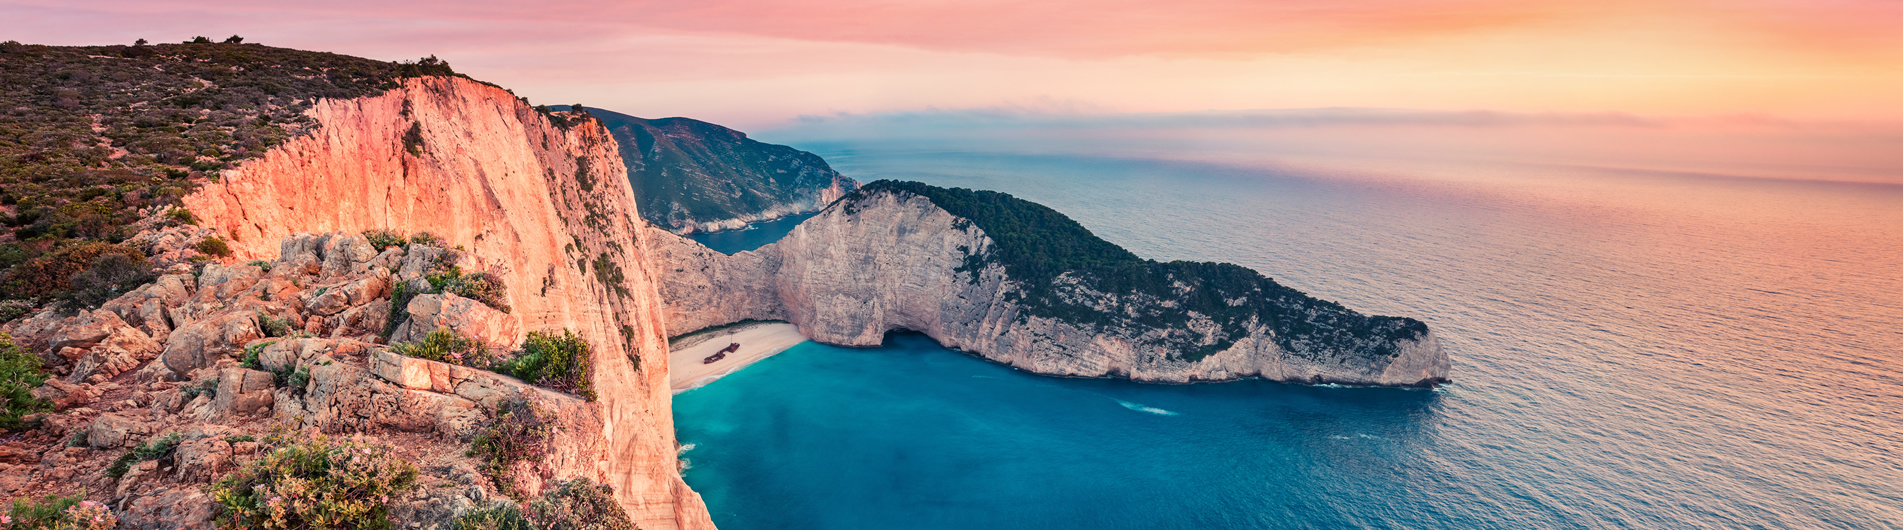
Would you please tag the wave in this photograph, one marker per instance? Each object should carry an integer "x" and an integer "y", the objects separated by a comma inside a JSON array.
[{"x": 1140, "y": 408}]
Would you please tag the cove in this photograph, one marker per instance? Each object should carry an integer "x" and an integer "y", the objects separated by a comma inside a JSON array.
[{"x": 914, "y": 435}]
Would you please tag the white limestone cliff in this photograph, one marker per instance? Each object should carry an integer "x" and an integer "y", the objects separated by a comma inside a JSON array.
[{"x": 850, "y": 274}]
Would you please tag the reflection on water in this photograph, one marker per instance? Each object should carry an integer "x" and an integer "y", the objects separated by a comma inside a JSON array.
[{"x": 1631, "y": 349}]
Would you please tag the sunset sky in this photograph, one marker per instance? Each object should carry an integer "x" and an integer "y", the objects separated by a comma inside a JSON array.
[{"x": 762, "y": 63}]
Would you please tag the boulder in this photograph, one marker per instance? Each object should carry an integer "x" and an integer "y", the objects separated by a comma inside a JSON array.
[
  {"x": 63, "y": 395},
  {"x": 197, "y": 345},
  {"x": 84, "y": 330},
  {"x": 243, "y": 391},
  {"x": 346, "y": 255},
  {"x": 111, "y": 431},
  {"x": 367, "y": 319},
  {"x": 224, "y": 282},
  {"x": 431, "y": 312},
  {"x": 300, "y": 254},
  {"x": 123, "y": 349},
  {"x": 168, "y": 509},
  {"x": 334, "y": 298},
  {"x": 409, "y": 372},
  {"x": 144, "y": 307},
  {"x": 421, "y": 260},
  {"x": 203, "y": 459}
]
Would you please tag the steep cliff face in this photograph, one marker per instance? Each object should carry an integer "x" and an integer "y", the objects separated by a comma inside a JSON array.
[
  {"x": 543, "y": 203},
  {"x": 693, "y": 176},
  {"x": 889, "y": 260}
]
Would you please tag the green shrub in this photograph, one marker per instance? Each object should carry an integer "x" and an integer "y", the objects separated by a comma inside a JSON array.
[
  {"x": 52, "y": 272},
  {"x": 427, "y": 239},
  {"x": 314, "y": 483},
  {"x": 240, "y": 439},
  {"x": 580, "y": 504},
  {"x": 413, "y": 139},
  {"x": 444, "y": 345},
  {"x": 109, "y": 276},
  {"x": 251, "y": 353},
  {"x": 213, "y": 246},
  {"x": 299, "y": 378},
  {"x": 562, "y": 362},
  {"x": 574, "y": 505},
  {"x": 20, "y": 373},
  {"x": 150, "y": 450},
  {"x": 498, "y": 516},
  {"x": 382, "y": 239},
  {"x": 181, "y": 216},
  {"x": 60, "y": 513},
  {"x": 266, "y": 266},
  {"x": 208, "y": 386},
  {"x": 273, "y": 327},
  {"x": 12, "y": 309},
  {"x": 519, "y": 430},
  {"x": 481, "y": 287}
]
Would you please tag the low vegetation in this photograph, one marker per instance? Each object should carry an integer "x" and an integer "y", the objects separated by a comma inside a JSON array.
[
  {"x": 154, "y": 449},
  {"x": 447, "y": 346},
  {"x": 313, "y": 483},
  {"x": 580, "y": 504},
  {"x": 562, "y": 362},
  {"x": 92, "y": 138},
  {"x": 1057, "y": 262},
  {"x": 20, "y": 373},
  {"x": 54, "y": 512},
  {"x": 519, "y": 430}
]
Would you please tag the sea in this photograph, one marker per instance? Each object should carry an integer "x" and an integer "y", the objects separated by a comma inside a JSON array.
[{"x": 1632, "y": 348}]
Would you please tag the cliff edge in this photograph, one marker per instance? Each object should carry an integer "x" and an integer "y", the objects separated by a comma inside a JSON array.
[
  {"x": 1042, "y": 294},
  {"x": 540, "y": 197}
]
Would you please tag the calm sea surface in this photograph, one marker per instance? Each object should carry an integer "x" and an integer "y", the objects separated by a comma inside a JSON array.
[{"x": 1631, "y": 350}]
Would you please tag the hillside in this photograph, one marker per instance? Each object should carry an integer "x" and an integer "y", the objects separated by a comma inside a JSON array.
[
  {"x": 1021, "y": 284},
  {"x": 293, "y": 243},
  {"x": 694, "y": 176},
  {"x": 94, "y": 138}
]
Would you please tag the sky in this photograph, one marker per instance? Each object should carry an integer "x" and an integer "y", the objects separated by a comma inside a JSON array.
[{"x": 756, "y": 64}]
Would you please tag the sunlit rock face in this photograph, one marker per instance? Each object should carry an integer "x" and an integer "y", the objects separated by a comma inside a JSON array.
[{"x": 540, "y": 200}]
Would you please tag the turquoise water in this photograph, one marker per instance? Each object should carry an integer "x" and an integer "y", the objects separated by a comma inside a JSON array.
[
  {"x": 754, "y": 236},
  {"x": 1631, "y": 349}
]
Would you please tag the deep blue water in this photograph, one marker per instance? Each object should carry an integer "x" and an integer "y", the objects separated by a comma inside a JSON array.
[
  {"x": 754, "y": 236},
  {"x": 1631, "y": 350}
]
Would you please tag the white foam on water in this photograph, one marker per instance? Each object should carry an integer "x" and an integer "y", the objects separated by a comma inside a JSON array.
[{"x": 1140, "y": 408}]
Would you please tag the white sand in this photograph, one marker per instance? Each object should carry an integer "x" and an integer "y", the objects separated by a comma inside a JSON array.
[{"x": 757, "y": 341}]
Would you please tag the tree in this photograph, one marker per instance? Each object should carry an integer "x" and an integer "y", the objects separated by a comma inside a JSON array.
[
  {"x": 199, "y": 40},
  {"x": 140, "y": 42},
  {"x": 235, "y": 40}
]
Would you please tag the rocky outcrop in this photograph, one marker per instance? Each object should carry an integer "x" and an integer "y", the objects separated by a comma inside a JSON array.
[
  {"x": 889, "y": 260},
  {"x": 693, "y": 176},
  {"x": 540, "y": 201},
  {"x": 244, "y": 366}
]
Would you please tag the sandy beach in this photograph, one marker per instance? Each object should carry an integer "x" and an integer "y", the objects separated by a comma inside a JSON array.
[{"x": 686, "y": 371}]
